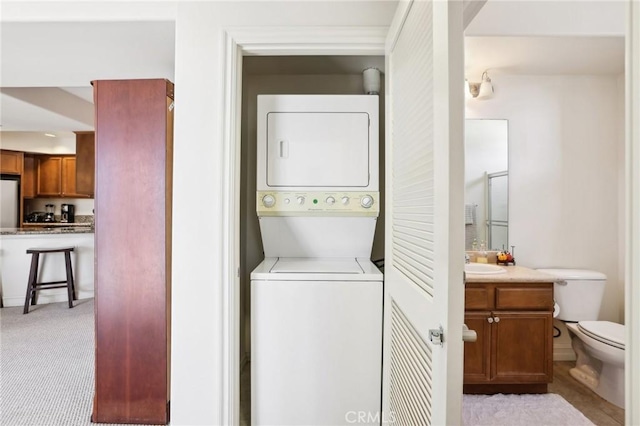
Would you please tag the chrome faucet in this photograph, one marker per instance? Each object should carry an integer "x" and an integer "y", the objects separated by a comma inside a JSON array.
[{"x": 467, "y": 259}]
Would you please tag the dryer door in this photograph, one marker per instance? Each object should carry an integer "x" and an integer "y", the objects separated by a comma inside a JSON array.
[{"x": 318, "y": 149}]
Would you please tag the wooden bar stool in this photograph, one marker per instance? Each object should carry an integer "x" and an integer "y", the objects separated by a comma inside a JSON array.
[{"x": 33, "y": 286}]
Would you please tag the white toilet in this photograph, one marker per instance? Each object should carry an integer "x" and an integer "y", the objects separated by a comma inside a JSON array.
[{"x": 599, "y": 345}]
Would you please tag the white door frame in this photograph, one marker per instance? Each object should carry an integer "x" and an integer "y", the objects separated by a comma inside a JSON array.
[
  {"x": 632, "y": 214},
  {"x": 254, "y": 41}
]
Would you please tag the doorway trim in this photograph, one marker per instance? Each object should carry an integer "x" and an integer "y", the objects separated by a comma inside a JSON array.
[
  {"x": 632, "y": 213},
  {"x": 262, "y": 41}
]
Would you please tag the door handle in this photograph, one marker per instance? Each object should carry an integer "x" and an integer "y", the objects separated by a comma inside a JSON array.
[
  {"x": 284, "y": 149},
  {"x": 468, "y": 335}
]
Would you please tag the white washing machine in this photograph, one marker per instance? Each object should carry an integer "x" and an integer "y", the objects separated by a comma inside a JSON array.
[
  {"x": 316, "y": 341},
  {"x": 316, "y": 299}
]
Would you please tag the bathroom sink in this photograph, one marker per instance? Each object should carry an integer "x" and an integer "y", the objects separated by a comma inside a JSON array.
[{"x": 483, "y": 269}]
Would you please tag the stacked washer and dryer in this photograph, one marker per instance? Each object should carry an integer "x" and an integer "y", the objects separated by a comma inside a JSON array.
[{"x": 316, "y": 299}]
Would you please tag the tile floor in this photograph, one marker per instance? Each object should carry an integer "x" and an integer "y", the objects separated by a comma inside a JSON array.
[{"x": 596, "y": 409}]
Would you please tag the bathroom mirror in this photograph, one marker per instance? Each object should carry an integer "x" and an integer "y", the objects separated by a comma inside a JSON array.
[{"x": 486, "y": 184}]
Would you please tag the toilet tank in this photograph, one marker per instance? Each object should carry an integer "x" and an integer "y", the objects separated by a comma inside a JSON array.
[{"x": 578, "y": 294}]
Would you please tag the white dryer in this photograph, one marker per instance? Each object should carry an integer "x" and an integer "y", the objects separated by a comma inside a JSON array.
[{"x": 316, "y": 299}]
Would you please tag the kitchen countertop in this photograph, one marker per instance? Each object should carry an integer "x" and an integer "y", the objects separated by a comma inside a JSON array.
[
  {"x": 514, "y": 274},
  {"x": 50, "y": 224},
  {"x": 59, "y": 228}
]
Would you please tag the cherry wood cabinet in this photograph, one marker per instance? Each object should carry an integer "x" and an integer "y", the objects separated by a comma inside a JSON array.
[
  {"x": 68, "y": 177},
  {"x": 514, "y": 348},
  {"x": 85, "y": 163},
  {"x": 11, "y": 162},
  {"x": 133, "y": 142},
  {"x": 56, "y": 176},
  {"x": 477, "y": 355},
  {"x": 29, "y": 176},
  {"x": 49, "y": 176}
]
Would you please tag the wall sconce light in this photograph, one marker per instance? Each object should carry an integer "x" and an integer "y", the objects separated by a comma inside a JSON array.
[{"x": 482, "y": 90}]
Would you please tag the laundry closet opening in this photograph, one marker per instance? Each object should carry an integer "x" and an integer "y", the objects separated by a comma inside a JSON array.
[{"x": 290, "y": 75}]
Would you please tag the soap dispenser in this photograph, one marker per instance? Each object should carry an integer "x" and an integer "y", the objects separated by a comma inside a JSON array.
[{"x": 482, "y": 256}]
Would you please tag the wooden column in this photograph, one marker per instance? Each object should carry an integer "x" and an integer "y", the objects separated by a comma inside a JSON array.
[{"x": 134, "y": 128}]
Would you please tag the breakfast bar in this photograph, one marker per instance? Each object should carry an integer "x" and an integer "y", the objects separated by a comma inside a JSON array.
[{"x": 15, "y": 262}]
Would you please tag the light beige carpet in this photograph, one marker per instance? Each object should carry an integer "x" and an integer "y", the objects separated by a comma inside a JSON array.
[
  {"x": 47, "y": 365},
  {"x": 520, "y": 410}
]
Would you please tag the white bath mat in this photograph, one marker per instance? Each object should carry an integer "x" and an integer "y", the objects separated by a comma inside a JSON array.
[{"x": 520, "y": 410}]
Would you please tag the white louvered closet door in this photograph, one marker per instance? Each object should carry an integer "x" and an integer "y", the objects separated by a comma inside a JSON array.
[{"x": 424, "y": 259}]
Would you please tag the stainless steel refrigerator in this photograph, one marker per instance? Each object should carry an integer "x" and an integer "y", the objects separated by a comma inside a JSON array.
[{"x": 9, "y": 201}]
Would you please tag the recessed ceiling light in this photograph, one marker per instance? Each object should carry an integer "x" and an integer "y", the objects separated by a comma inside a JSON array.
[{"x": 51, "y": 135}]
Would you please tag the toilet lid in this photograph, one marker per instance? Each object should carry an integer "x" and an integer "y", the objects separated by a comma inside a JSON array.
[{"x": 604, "y": 331}]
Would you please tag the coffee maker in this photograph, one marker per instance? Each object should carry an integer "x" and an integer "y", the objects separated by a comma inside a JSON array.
[
  {"x": 67, "y": 213},
  {"x": 49, "y": 215}
]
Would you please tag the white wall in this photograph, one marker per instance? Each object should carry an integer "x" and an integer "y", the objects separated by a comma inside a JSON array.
[
  {"x": 83, "y": 206},
  {"x": 253, "y": 85},
  {"x": 198, "y": 287},
  {"x": 37, "y": 142},
  {"x": 566, "y": 172}
]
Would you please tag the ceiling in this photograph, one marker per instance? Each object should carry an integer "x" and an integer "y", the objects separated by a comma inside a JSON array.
[
  {"x": 47, "y": 67},
  {"x": 572, "y": 55},
  {"x": 546, "y": 38},
  {"x": 46, "y": 109}
]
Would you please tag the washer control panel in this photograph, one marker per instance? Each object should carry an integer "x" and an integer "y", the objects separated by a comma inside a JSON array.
[{"x": 320, "y": 203}]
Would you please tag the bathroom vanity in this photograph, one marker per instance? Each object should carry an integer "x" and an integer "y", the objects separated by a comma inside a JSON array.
[{"x": 512, "y": 314}]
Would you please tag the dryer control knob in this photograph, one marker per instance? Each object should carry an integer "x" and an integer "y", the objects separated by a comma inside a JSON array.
[
  {"x": 300, "y": 200},
  {"x": 345, "y": 200},
  {"x": 366, "y": 201},
  {"x": 330, "y": 200},
  {"x": 268, "y": 200}
]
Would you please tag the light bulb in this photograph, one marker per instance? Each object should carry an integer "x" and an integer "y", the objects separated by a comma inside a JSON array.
[{"x": 486, "y": 88}]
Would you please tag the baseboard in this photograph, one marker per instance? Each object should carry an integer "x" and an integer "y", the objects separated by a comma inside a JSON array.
[
  {"x": 563, "y": 352},
  {"x": 45, "y": 298},
  {"x": 562, "y": 348}
]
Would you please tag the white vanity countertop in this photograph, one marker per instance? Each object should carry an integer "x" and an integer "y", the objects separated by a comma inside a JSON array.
[{"x": 514, "y": 274}]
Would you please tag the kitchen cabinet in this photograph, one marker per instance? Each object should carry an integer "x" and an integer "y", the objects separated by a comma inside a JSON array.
[
  {"x": 85, "y": 163},
  {"x": 11, "y": 162},
  {"x": 69, "y": 177},
  {"x": 133, "y": 146},
  {"x": 514, "y": 349},
  {"x": 29, "y": 176},
  {"x": 56, "y": 176},
  {"x": 49, "y": 176}
]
